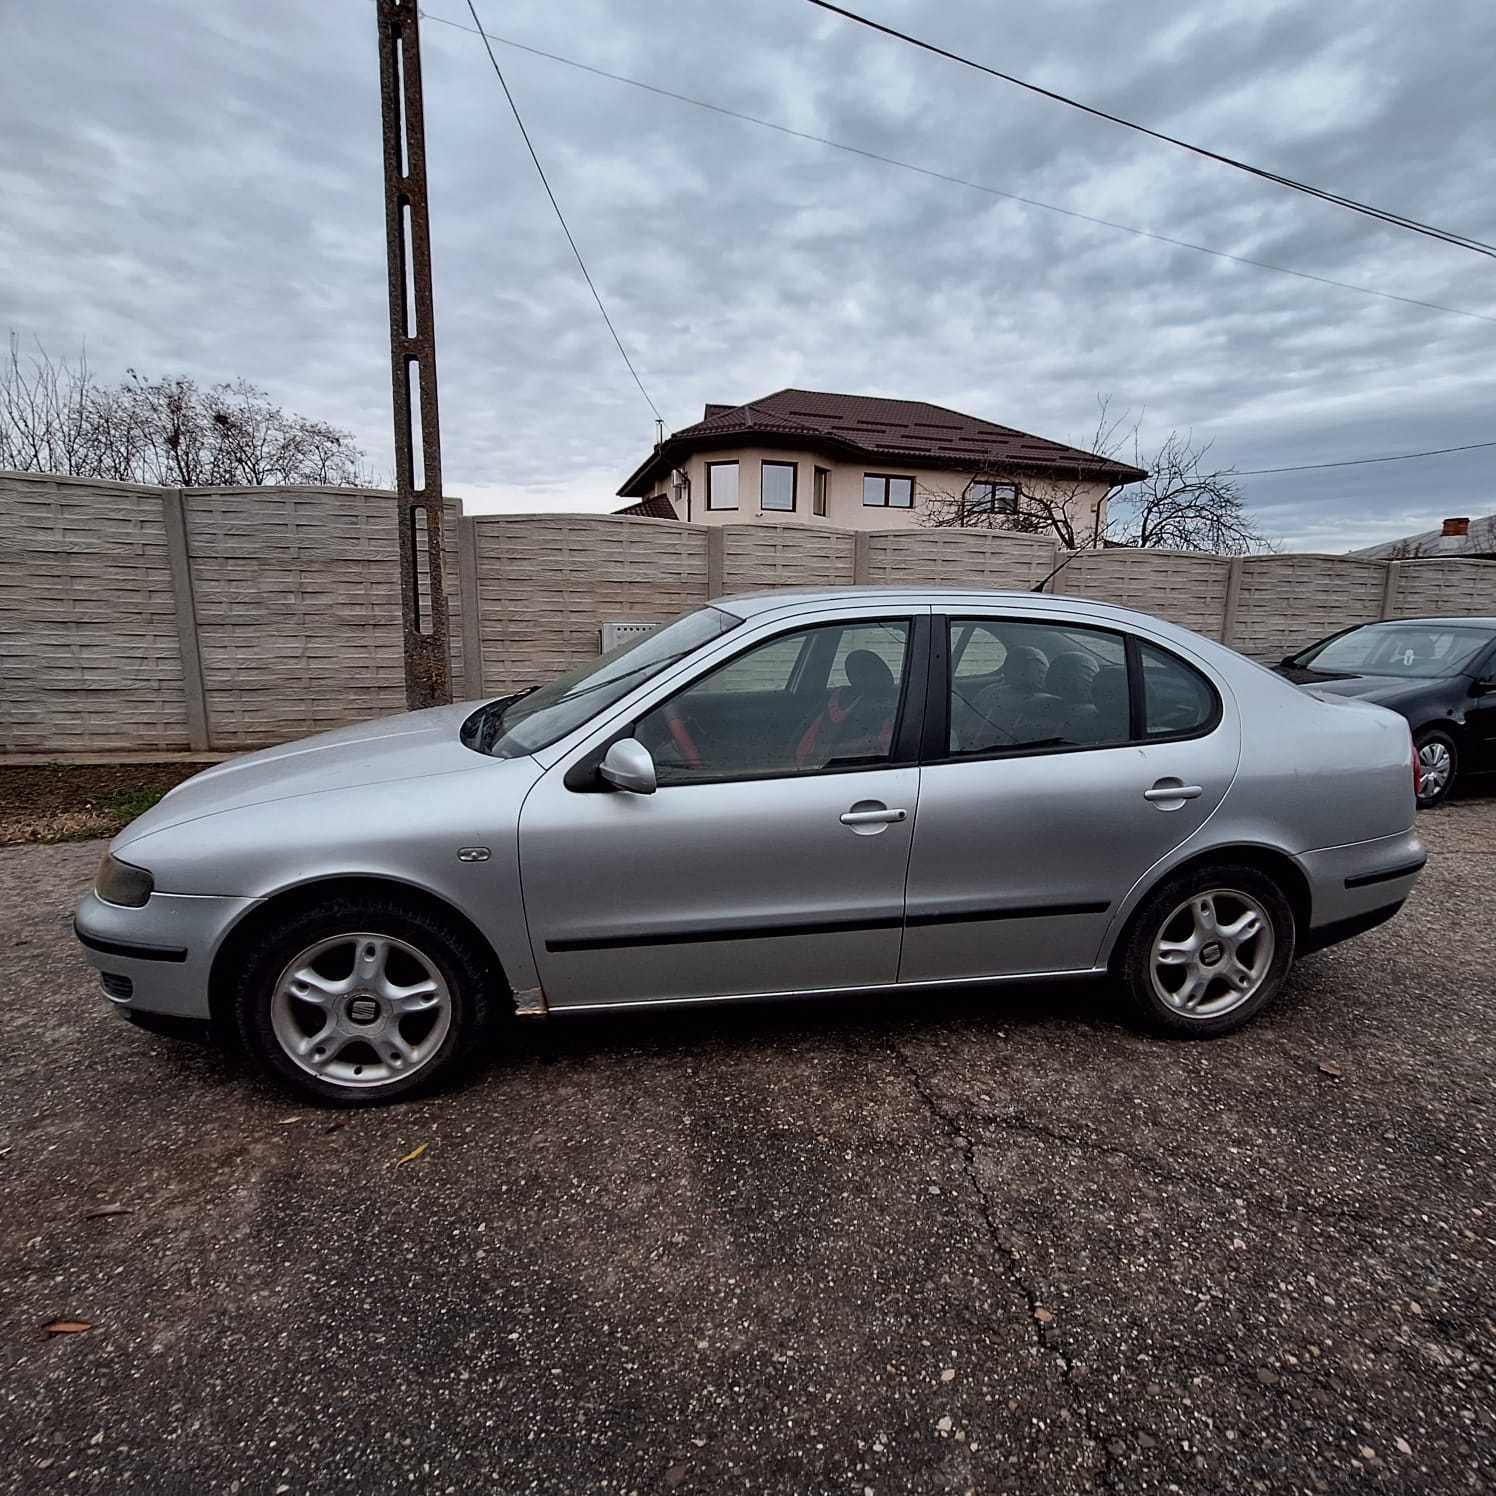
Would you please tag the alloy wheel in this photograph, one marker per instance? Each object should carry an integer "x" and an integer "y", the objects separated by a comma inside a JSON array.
[
  {"x": 1435, "y": 765},
  {"x": 360, "y": 1009},
  {"x": 1212, "y": 953}
]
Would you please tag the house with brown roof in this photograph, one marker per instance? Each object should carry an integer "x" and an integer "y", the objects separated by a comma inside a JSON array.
[{"x": 862, "y": 463}]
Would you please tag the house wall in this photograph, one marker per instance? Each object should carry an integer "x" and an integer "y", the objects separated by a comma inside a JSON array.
[{"x": 844, "y": 507}]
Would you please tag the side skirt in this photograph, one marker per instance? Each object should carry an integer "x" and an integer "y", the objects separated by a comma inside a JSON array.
[{"x": 888, "y": 988}]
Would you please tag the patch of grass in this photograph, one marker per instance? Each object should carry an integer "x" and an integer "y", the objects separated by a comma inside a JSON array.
[{"x": 125, "y": 805}]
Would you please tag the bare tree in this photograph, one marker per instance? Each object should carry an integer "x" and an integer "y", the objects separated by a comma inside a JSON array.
[
  {"x": 55, "y": 418},
  {"x": 1184, "y": 503}
]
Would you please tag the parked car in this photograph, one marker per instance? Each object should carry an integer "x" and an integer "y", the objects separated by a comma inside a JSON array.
[
  {"x": 1439, "y": 673},
  {"x": 786, "y": 793}
]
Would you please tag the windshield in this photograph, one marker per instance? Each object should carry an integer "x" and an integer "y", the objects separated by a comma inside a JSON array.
[
  {"x": 514, "y": 725},
  {"x": 1421, "y": 649}
]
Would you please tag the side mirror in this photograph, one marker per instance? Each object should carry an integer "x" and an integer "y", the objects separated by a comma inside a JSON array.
[{"x": 628, "y": 766}]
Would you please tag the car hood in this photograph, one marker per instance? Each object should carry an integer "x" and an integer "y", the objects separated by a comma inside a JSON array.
[
  {"x": 1378, "y": 688},
  {"x": 412, "y": 745}
]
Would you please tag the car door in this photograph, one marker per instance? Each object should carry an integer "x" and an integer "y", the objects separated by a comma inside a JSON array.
[
  {"x": 1480, "y": 713},
  {"x": 1062, "y": 760},
  {"x": 771, "y": 857}
]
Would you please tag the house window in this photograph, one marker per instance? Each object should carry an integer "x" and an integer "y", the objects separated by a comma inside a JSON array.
[
  {"x": 822, "y": 484},
  {"x": 985, "y": 497},
  {"x": 883, "y": 491},
  {"x": 777, "y": 486},
  {"x": 721, "y": 485}
]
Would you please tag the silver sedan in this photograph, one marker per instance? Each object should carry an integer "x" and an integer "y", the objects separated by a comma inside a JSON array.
[{"x": 864, "y": 790}]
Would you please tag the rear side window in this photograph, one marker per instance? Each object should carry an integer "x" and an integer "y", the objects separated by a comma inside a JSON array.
[
  {"x": 1035, "y": 685},
  {"x": 1177, "y": 699},
  {"x": 1017, "y": 685}
]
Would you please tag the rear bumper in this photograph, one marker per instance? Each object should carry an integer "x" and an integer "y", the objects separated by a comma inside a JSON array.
[
  {"x": 158, "y": 958},
  {"x": 1357, "y": 886}
]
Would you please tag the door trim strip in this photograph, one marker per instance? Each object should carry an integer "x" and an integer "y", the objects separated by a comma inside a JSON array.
[
  {"x": 1028, "y": 911},
  {"x": 732, "y": 932}
]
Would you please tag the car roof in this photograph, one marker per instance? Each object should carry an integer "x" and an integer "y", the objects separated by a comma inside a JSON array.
[
  {"x": 793, "y": 599},
  {"x": 1454, "y": 622}
]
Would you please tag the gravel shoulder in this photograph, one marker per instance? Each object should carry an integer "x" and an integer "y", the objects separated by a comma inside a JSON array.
[{"x": 971, "y": 1242}]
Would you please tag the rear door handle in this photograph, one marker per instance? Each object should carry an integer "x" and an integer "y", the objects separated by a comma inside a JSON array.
[
  {"x": 1174, "y": 792},
  {"x": 882, "y": 816}
]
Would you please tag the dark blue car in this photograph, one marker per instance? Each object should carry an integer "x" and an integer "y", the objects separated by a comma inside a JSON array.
[{"x": 1439, "y": 673}]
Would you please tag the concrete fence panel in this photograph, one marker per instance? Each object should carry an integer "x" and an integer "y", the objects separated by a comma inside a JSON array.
[
  {"x": 148, "y": 619},
  {"x": 755, "y": 556},
  {"x": 1431, "y": 588},
  {"x": 955, "y": 558},
  {"x": 90, "y": 657},
  {"x": 297, "y": 600},
  {"x": 546, "y": 584},
  {"x": 1185, "y": 587},
  {"x": 1286, "y": 602}
]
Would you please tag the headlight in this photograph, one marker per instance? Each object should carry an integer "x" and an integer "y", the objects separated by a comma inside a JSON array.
[{"x": 120, "y": 883}]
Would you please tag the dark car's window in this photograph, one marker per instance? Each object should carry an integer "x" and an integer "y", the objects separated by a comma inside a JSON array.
[
  {"x": 816, "y": 699},
  {"x": 1177, "y": 699},
  {"x": 1035, "y": 685},
  {"x": 1411, "y": 649},
  {"x": 513, "y": 726}
]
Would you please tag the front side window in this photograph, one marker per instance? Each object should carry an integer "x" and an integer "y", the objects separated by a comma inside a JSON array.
[
  {"x": 721, "y": 485},
  {"x": 777, "y": 486},
  {"x": 983, "y": 497},
  {"x": 812, "y": 701},
  {"x": 515, "y": 725},
  {"x": 887, "y": 491},
  {"x": 1035, "y": 685}
]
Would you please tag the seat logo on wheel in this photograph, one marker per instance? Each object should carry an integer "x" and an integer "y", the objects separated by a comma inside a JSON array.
[{"x": 363, "y": 1010}]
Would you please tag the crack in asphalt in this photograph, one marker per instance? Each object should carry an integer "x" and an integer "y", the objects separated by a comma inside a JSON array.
[{"x": 1045, "y": 1338}]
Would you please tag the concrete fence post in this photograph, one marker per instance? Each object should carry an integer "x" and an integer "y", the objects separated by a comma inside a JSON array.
[
  {"x": 1052, "y": 567},
  {"x": 179, "y": 560},
  {"x": 472, "y": 608},
  {"x": 1233, "y": 602},
  {"x": 716, "y": 561},
  {"x": 1389, "y": 588},
  {"x": 862, "y": 558}
]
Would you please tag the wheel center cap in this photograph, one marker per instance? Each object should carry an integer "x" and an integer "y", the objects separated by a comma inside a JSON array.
[
  {"x": 1212, "y": 953},
  {"x": 363, "y": 1010}
]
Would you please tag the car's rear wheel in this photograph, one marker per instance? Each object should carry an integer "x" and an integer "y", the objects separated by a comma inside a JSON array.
[
  {"x": 1207, "y": 951},
  {"x": 1438, "y": 762},
  {"x": 362, "y": 1001}
]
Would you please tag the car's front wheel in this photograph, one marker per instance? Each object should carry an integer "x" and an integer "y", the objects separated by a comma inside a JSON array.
[
  {"x": 1207, "y": 951},
  {"x": 1438, "y": 759},
  {"x": 363, "y": 1000}
]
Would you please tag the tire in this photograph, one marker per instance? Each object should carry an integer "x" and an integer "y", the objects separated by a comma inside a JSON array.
[
  {"x": 1441, "y": 761},
  {"x": 1159, "y": 1000},
  {"x": 402, "y": 994}
]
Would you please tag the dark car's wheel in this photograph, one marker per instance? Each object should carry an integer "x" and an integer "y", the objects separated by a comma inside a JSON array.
[
  {"x": 361, "y": 1001},
  {"x": 1438, "y": 763},
  {"x": 1207, "y": 951}
]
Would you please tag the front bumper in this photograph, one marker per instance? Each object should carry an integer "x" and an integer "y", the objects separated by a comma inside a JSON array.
[
  {"x": 157, "y": 958},
  {"x": 1353, "y": 884}
]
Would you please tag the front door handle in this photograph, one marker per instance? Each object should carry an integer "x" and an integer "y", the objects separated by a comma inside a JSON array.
[
  {"x": 1173, "y": 790},
  {"x": 882, "y": 816}
]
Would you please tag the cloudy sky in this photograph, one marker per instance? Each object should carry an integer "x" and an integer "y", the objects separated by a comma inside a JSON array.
[{"x": 195, "y": 188}]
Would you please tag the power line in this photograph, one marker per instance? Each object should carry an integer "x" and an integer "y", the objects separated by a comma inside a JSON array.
[
  {"x": 953, "y": 180},
  {"x": 1305, "y": 467},
  {"x": 1398, "y": 220},
  {"x": 560, "y": 216}
]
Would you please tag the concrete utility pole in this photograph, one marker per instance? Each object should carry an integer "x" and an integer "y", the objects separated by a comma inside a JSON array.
[{"x": 418, "y": 453}]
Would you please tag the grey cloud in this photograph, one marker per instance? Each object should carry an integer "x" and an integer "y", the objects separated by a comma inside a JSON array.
[{"x": 197, "y": 188}]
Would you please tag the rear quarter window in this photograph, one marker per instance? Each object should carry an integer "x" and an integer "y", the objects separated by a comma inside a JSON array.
[{"x": 1177, "y": 699}]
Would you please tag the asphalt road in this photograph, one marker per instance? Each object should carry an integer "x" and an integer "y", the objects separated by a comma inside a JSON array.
[{"x": 990, "y": 1243}]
